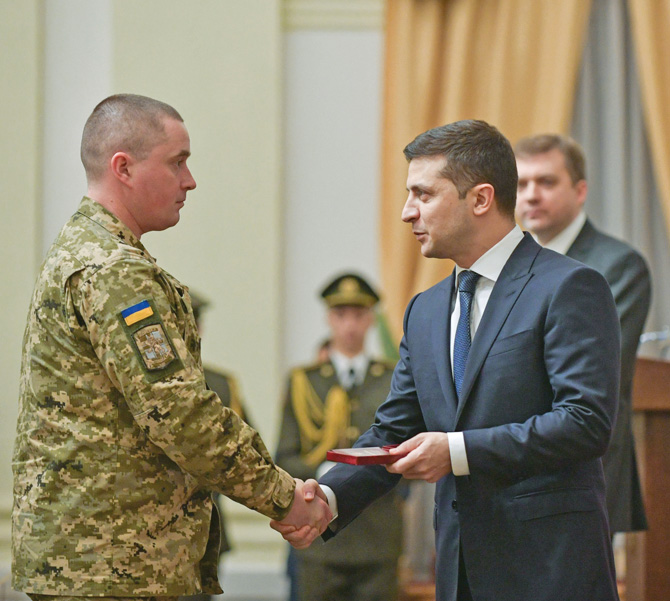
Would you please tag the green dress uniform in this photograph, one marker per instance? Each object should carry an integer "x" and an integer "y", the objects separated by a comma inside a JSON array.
[
  {"x": 119, "y": 442},
  {"x": 361, "y": 562},
  {"x": 226, "y": 388}
]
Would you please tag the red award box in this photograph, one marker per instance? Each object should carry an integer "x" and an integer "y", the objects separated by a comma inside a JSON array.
[{"x": 363, "y": 455}]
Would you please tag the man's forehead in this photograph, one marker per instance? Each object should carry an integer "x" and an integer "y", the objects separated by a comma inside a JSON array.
[
  {"x": 426, "y": 166},
  {"x": 552, "y": 161},
  {"x": 175, "y": 138}
]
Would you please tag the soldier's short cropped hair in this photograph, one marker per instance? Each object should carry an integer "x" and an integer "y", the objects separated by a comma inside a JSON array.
[
  {"x": 475, "y": 153},
  {"x": 575, "y": 161},
  {"x": 123, "y": 123}
]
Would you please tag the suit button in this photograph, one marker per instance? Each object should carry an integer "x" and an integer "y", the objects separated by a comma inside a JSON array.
[{"x": 454, "y": 505}]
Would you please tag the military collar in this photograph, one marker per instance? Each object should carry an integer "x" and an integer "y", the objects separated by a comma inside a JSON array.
[
  {"x": 344, "y": 365},
  {"x": 96, "y": 212}
]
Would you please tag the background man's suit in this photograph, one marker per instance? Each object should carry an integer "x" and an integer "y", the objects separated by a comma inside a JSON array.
[
  {"x": 537, "y": 407},
  {"x": 626, "y": 272}
]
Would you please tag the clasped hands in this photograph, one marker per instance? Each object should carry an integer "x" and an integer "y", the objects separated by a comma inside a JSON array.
[
  {"x": 309, "y": 515},
  {"x": 426, "y": 456}
]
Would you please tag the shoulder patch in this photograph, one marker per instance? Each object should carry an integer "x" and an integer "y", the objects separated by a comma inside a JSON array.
[
  {"x": 154, "y": 347},
  {"x": 137, "y": 312},
  {"x": 149, "y": 338}
]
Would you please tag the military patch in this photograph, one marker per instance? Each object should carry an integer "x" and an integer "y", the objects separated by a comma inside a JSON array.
[
  {"x": 327, "y": 370},
  {"x": 154, "y": 347},
  {"x": 150, "y": 340},
  {"x": 137, "y": 312}
]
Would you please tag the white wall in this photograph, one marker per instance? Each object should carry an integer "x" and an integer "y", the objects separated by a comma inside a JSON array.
[
  {"x": 77, "y": 75},
  {"x": 20, "y": 139},
  {"x": 332, "y": 101}
]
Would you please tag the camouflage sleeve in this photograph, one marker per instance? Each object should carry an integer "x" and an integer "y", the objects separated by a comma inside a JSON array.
[{"x": 129, "y": 311}]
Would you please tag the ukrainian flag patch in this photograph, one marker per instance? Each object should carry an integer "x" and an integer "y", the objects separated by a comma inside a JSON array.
[{"x": 137, "y": 312}]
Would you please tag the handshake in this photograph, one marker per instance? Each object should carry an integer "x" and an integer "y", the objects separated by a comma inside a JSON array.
[{"x": 309, "y": 515}]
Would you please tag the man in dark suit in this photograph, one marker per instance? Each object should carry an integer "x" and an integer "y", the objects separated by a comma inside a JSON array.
[
  {"x": 550, "y": 200},
  {"x": 505, "y": 393}
]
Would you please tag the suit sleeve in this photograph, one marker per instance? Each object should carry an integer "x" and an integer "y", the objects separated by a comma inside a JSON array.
[
  {"x": 397, "y": 419},
  {"x": 581, "y": 346},
  {"x": 630, "y": 283}
]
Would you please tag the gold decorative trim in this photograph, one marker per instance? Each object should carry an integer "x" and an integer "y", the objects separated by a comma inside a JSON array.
[{"x": 333, "y": 14}]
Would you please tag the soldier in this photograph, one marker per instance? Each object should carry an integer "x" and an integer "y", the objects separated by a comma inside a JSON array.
[
  {"x": 119, "y": 442},
  {"x": 327, "y": 406}
]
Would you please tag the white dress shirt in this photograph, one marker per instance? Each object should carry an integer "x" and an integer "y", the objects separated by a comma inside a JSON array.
[
  {"x": 350, "y": 370},
  {"x": 563, "y": 241},
  {"x": 488, "y": 266}
]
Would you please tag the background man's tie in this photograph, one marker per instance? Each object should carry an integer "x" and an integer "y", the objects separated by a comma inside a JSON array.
[{"x": 466, "y": 287}]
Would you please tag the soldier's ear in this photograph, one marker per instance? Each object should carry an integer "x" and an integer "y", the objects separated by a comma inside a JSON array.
[{"x": 120, "y": 166}]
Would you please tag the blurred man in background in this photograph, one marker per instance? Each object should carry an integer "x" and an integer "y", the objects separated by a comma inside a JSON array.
[{"x": 551, "y": 194}]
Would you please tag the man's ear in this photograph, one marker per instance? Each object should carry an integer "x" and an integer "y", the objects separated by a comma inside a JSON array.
[
  {"x": 484, "y": 198},
  {"x": 120, "y": 165},
  {"x": 582, "y": 189}
]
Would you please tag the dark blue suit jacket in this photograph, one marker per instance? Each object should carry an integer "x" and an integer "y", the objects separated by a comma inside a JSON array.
[{"x": 537, "y": 409}]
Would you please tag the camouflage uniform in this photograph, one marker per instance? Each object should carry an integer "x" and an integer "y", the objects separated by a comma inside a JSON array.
[{"x": 119, "y": 442}]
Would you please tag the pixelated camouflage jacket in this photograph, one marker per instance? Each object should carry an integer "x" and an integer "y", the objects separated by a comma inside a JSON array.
[{"x": 118, "y": 440}]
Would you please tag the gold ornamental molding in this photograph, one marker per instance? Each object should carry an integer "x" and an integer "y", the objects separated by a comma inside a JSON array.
[{"x": 333, "y": 14}]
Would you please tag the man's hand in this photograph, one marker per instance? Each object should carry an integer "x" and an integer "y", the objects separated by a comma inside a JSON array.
[
  {"x": 309, "y": 515},
  {"x": 428, "y": 457}
]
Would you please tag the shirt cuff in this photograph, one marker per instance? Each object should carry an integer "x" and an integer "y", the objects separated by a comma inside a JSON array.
[
  {"x": 332, "y": 500},
  {"x": 459, "y": 458}
]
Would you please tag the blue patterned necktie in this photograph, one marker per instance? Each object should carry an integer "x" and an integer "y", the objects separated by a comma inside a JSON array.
[{"x": 467, "y": 282}]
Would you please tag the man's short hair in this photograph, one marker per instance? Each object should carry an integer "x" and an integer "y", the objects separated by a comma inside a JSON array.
[
  {"x": 575, "y": 162},
  {"x": 123, "y": 123},
  {"x": 475, "y": 153}
]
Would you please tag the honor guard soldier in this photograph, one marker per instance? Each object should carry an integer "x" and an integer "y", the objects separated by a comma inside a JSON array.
[{"x": 328, "y": 405}]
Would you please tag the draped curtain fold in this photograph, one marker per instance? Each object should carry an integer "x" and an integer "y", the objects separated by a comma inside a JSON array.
[
  {"x": 650, "y": 21},
  {"x": 509, "y": 62}
]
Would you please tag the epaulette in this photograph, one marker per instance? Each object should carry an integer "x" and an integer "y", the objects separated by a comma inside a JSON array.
[
  {"x": 325, "y": 368},
  {"x": 379, "y": 366}
]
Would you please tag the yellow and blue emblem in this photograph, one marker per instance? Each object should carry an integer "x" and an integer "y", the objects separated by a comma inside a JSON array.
[
  {"x": 144, "y": 326},
  {"x": 137, "y": 312}
]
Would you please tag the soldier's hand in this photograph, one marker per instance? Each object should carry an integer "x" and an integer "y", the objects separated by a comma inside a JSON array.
[{"x": 308, "y": 518}]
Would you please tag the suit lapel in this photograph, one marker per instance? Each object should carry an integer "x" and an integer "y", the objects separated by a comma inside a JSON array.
[
  {"x": 441, "y": 337},
  {"x": 512, "y": 280},
  {"x": 582, "y": 247}
]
